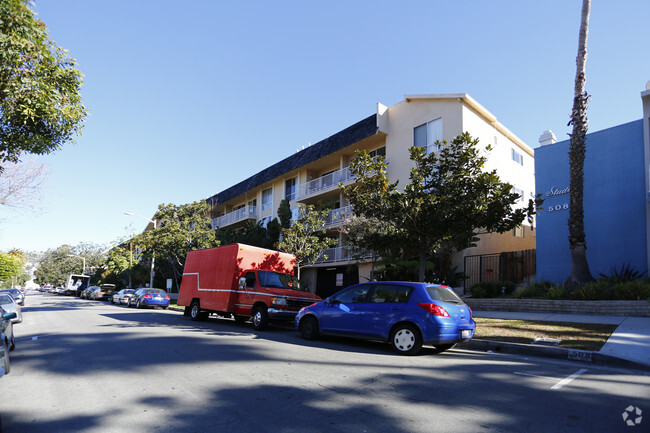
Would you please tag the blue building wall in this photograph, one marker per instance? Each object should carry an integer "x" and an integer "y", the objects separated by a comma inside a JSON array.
[{"x": 614, "y": 203}]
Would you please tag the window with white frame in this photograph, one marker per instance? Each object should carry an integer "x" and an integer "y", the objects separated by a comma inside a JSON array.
[
  {"x": 428, "y": 134},
  {"x": 518, "y": 191},
  {"x": 517, "y": 157},
  {"x": 380, "y": 151},
  {"x": 267, "y": 198},
  {"x": 518, "y": 232},
  {"x": 290, "y": 189}
]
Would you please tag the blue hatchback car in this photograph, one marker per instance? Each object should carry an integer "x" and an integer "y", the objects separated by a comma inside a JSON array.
[{"x": 408, "y": 315}]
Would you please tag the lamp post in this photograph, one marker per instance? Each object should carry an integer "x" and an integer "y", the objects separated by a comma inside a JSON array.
[
  {"x": 83, "y": 271},
  {"x": 152, "y": 257}
]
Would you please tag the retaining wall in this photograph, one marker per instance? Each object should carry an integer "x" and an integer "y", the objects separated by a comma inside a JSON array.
[{"x": 608, "y": 308}]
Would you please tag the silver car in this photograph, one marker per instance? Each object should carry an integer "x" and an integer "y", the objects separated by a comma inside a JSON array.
[
  {"x": 18, "y": 295},
  {"x": 9, "y": 304},
  {"x": 8, "y": 342}
]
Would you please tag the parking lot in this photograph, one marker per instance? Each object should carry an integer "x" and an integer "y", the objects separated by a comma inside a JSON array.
[{"x": 90, "y": 366}]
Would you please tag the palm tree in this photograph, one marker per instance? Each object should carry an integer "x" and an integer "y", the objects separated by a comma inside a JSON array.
[{"x": 579, "y": 267}]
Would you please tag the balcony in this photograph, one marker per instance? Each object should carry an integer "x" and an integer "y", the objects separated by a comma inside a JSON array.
[
  {"x": 337, "y": 217},
  {"x": 324, "y": 184},
  {"x": 340, "y": 254},
  {"x": 241, "y": 214}
]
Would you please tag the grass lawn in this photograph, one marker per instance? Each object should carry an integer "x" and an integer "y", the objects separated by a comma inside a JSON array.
[{"x": 583, "y": 336}]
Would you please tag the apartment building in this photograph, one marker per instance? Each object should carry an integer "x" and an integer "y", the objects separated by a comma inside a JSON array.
[
  {"x": 616, "y": 200},
  {"x": 312, "y": 175}
]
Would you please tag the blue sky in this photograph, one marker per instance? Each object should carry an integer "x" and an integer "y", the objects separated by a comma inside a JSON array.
[{"x": 188, "y": 98}]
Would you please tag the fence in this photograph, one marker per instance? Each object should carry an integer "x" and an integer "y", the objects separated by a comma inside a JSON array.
[{"x": 515, "y": 266}]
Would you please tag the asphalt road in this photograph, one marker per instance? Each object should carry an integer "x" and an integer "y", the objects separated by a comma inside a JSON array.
[{"x": 88, "y": 366}]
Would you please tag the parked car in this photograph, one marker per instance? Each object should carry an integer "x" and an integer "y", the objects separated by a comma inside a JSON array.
[
  {"x": 8, "y": 303},
  {"x": 407, "y": 315},
  {"x": 108, "y": 290},
  {"x": 85, "y": 293},
  {"x": 18, "y": 295},
  {"x": 122, "y": 297},
  {"x": 8, "y": 341},
  {"x": 149, "y": 297},
  {"x": 99, "y": 294}
]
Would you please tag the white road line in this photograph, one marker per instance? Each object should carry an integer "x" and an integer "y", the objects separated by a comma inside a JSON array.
[
  {"x": 569, "y": 379},
  {"x": 534, "y": 375}
]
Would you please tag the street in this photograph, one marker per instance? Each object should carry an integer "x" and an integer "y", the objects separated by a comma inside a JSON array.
[{"x": 89, "y": 366}]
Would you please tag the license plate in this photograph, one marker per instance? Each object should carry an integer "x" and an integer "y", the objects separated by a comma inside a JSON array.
[{"x": 465, "y": 333}]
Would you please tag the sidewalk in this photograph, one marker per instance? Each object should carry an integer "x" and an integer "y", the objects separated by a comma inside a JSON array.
[{"x": 628, "y": 346}]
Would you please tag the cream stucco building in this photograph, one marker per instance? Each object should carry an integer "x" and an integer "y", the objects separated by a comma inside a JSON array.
[{"x": 313, "y": 174}]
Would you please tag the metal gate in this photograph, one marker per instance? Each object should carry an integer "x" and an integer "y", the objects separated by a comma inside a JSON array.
[{"x": 515, "y": 266}]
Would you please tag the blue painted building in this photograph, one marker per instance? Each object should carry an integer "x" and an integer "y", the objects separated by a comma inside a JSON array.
[{"x": 616, "y": 200}]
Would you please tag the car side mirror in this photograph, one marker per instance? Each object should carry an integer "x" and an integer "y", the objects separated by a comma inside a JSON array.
[
  {"x": 242, "y": 283},
  {"x": 9, "y": 316}
]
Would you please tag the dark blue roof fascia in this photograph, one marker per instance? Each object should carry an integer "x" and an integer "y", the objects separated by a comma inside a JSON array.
[{"x": 360, "y": 130}]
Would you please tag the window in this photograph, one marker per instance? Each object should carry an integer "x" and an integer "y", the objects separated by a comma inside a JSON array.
[
  {"x": 252, "y": 208},
  {"x": 250, "y": 280},
  {"x": 354, "y": 295},
  {"x": 518, "y": 232},
  {"x": 518, "y": 191},
  {"x": 517, "y": 157},
  {"x": 267, "y": 199},
  {"x": 381, "y": 151},
  {"x": 427, "y": 134},
  {"x": 290, "y": 189},
  {"x": 389, "y": 293}
]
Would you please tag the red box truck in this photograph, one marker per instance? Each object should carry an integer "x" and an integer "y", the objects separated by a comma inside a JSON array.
[{"x": 241, "y": 281}]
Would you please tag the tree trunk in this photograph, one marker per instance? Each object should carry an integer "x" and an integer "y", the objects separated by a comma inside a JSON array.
[
  {"x": 579, "y": 267},
  {"x": 423, "y": 263}
]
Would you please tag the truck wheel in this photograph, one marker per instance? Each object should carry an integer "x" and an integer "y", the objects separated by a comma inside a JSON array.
[
  {"x": 309, "y": 328},
  {"x": 260, "y": 318},
  {"x": 406, "y": 339},
  {"x": 195, "y": 311}
]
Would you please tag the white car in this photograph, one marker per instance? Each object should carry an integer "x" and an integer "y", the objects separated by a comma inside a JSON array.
[
  {"x": 122, "y": 297},
  {"x": 8, "y": 303}
]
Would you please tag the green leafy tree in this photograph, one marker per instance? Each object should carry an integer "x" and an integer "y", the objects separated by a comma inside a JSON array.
[
  {"x": 11, "y": 270},
  {"x": 57, "y": 264},
  {"x": 40, "y": 99},
  {"x": 448, "y": 203},
  {"x": 305, "y": 238},
  {"x": 370, "y": 238},
  {"x": 580, "y": 272},
  {"x": 179, "y": 229},
  {"x": 284, "y": 213}
]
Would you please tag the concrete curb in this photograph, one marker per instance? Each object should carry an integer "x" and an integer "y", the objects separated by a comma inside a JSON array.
[{"x": 590, "y": 357}]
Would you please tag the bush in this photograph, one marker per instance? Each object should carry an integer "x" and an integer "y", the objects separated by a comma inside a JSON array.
[
  {"x": 492, "y": 290},
  {"x": 626, "y": 273},
  {"x": 557, "y": 292},
  {"x": 594, "y": 291},
  {"x": 535, "y": 290},
  {"x": 632, "y": 290}
]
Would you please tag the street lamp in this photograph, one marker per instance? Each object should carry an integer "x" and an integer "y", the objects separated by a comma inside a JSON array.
[
  {"x": 152, "y": 257},
  {"x": 83, "y": 271}
]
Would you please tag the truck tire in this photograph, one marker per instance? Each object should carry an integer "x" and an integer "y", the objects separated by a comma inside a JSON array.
[
  {"x": 195, "y": 311},
  {"x": 260, "y": 318}
]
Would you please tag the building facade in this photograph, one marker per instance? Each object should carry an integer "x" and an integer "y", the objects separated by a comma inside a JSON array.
[
  {"x": 312, "y": 176},
  {"x": 616, "y": 200}
]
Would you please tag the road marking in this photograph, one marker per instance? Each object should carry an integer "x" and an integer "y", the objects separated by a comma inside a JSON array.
[
  {"x": 569, "y": 379},
  {"x": 534, "y": 375}
]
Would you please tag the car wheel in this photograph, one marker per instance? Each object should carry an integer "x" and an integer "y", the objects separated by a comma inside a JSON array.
[
  {"x": 260, "y": 318},
  {"x": 406, "y": 339},
  {"x": 137, "y": 304},
  {"x": 112, "y": 301},
  {"x": 195, "y": 311},
  {"x": 13, "y": 343},
  {"x": 439, "y": 348},
  {"x": 128, "y": 304},
  {"x": 309, "y": 328}
]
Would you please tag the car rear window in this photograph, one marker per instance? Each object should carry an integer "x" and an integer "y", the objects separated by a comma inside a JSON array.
[
  {"x": 386, "y": 293},
  {"x": 444, "y": 294}
]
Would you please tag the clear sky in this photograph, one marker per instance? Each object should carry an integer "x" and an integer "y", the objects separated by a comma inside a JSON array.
[{"x": 189, "y": 98}]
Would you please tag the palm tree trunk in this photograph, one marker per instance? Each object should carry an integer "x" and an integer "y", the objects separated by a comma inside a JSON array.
[{"x": 579, "y": 267}]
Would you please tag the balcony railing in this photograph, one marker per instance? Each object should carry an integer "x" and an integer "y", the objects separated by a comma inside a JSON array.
[
  {"x": 247, "y": 212},
  {"x": 337, "y": 217},
  {"x": 324, "y": 183},
  {"x": 340, "y": 254}
]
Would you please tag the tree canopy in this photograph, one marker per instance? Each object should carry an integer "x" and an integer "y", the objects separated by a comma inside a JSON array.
[
  {"x": 40, "y": 99},
  {"x": 448, "y": 203},
  {"x": 179, "y": 229},
  {"x": 305, "y": 238}
]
